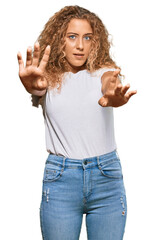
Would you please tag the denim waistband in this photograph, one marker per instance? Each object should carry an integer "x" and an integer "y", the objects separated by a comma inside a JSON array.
[{"x": 80, "y": 163}]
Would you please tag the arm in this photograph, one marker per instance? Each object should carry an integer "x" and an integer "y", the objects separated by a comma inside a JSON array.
[
  {"x": 32, "y": 75},
  {"x": 114, "y": 94}
]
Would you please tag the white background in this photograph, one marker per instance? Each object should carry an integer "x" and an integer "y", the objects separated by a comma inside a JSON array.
[{"x": 23, "y": 152}]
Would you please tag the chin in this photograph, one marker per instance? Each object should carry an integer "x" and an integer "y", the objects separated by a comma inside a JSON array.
[{"x": 77, "y": 66}]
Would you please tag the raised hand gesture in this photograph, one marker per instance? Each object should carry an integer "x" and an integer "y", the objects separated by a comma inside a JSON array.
[
  {"x": 114, "y": 94},
  {"x": 32, "y": 74}
]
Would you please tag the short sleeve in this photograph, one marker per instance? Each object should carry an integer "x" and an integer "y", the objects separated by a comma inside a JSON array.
[{"x": 101, "y": 71}]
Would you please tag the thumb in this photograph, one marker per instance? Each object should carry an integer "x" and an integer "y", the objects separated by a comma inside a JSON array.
[
  {"x": 116, "y": 72},
  {"x": 103, "y": 102}
]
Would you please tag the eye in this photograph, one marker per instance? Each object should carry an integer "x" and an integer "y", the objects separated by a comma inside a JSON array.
[
  {"x": 72, "y": 36},
  {"x": 87, "y": 38}
]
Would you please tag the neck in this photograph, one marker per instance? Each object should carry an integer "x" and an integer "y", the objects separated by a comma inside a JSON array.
[{"x": 75, "y": 69}]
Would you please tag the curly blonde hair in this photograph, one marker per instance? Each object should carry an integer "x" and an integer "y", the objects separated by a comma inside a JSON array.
[{"x": 54, "y": 33}]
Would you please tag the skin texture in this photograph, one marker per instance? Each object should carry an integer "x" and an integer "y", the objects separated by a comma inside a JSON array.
[
  {"x": 114, "y": 94},
  {"x": 77, "y": 47},
  {"x": 78, "y": 43},
  {"x": 32, "y": 74}
]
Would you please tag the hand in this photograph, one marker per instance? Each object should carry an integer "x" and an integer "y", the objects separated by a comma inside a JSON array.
[
  {"x": 115, "y": 95},
  {"x": 32, "y": 75}
]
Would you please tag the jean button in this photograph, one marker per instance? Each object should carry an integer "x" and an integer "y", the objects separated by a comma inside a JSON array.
[{"x": 85, "y": 162}]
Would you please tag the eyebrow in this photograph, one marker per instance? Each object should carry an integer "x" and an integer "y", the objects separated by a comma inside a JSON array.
[{"x": 78, "y": 34}]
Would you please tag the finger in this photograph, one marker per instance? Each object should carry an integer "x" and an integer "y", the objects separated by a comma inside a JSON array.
[
  {"x": 29, "y": 57},
  {"x": 125, "y": 89},
  {"x": 118, "y": 89},
  {"x": 103, "y": 102},
  {"x": 45, "y": 58},
  {"x": 36, "y": 54},
  {"x": 130, "y": 94},
  {"x": 116, "y": 73},
  {"x": 20, "y": 62}
]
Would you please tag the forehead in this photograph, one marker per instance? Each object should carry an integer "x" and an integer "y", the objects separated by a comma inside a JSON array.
[{"x": 79, "y": 26}]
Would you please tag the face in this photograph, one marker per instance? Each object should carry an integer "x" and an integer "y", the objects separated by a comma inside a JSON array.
[{"x": 78, "y": 42}]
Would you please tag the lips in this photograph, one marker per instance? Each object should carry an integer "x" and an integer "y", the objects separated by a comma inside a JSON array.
[{"x": 78, "y": 54}]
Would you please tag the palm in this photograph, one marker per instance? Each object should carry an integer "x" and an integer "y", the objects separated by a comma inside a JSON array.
[
  {"x": 32, "y": 75},
  {"x": 115, "y": 94}
]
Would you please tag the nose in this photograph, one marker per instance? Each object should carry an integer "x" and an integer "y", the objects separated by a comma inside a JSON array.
[{"x": 79, "y": 44}]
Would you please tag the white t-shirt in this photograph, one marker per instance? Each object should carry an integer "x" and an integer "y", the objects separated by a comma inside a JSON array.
[{"x": 76, "y": 125}]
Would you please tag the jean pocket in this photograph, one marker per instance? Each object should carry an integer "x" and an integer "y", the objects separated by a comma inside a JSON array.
[
  {"x": 111, "y": 168},
  {"x": 52, "y": 172}
]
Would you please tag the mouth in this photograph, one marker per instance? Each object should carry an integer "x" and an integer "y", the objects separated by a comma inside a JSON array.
[{"x": 78, "y": 55}]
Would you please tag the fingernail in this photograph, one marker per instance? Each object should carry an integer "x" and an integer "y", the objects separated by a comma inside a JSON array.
[{"x": 29, "y": 48}]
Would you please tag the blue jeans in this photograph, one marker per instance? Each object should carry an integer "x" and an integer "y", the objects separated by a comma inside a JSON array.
[{"x": 92, "y": 186}]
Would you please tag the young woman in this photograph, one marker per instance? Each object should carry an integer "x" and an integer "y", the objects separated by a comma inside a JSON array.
[{"x": 73, "y": 77}]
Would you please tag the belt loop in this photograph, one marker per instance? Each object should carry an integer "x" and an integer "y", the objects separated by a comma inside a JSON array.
[
  {"x": 98, "y": 160},
  {"x": 117, "y": 153},
  {"x": 47, "y": 158},
  {"x": 64, "y": 158}
]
